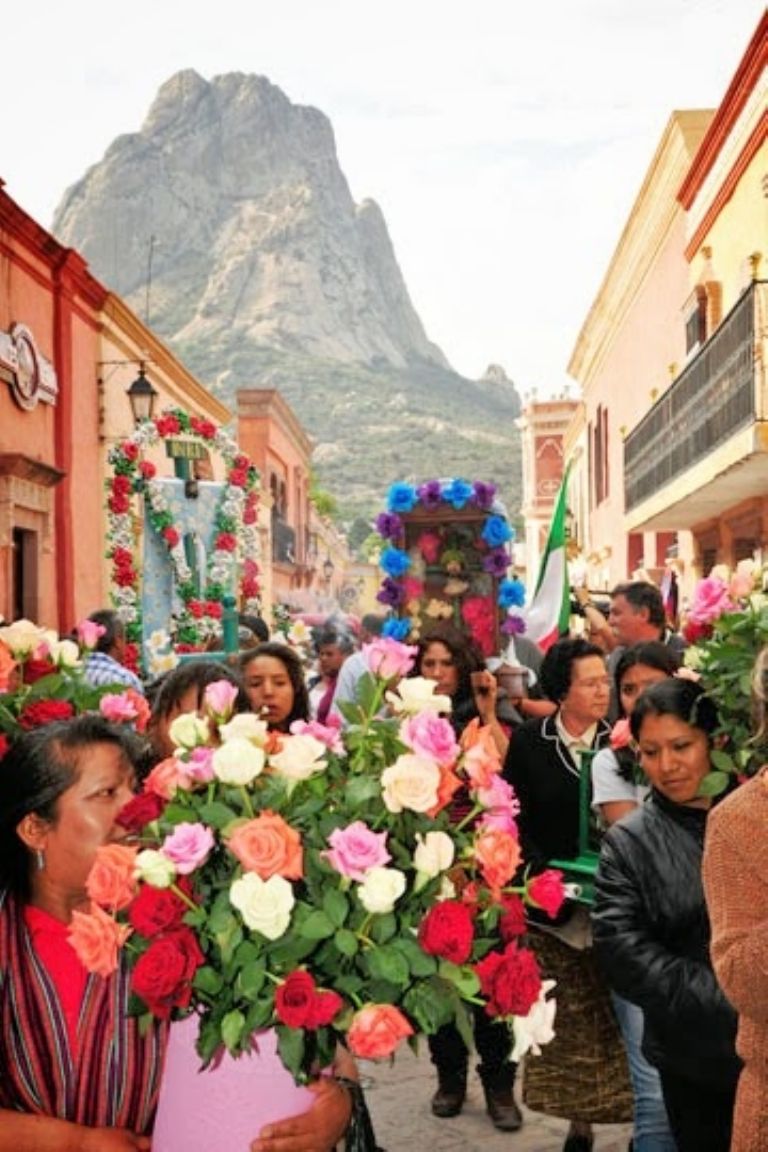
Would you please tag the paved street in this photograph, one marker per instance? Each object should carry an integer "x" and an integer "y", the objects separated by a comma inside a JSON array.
[{"x": 399, "y": 1096}]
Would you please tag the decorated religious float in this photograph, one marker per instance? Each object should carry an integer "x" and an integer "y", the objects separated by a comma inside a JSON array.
[{"x": 182, "y": 548}]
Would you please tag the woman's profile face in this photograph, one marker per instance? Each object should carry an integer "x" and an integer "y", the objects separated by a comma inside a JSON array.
[
  {"x": 269, "y": 688},
  {"x": 161, "y": 725},
  {"x": 675, "y": 757},
  {"x": 438, "y": 664},
  {"x": 85, "y": 816},
  {"x": 635, "y": 681}
]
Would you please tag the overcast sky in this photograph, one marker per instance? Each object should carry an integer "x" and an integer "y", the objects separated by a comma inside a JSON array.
[{"x": 505, "y": 141}]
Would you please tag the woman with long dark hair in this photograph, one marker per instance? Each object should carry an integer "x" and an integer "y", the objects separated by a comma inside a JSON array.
[{"x": 274, "y": 682}]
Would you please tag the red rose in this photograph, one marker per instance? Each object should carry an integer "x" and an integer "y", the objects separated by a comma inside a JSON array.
[
  {"x": 171, "y": 537},
  {"x": 124, "y": 577},
  {"x": 546, "y": 891},
  {"x": 131, "y": 662},
  {"x": 238, "y": 477},
  {"x": 511, "y": 981},
  {"x": 196, "y": 608},
  {"x": 203, "y": 428},
  {"x": 241, "y": 461},
  {"x": 213, "y": 609},
  {"x": 40, "y": 712},
  {"x": 121, "y": 485},
  {"x": 163, "y": 975},
  {"x": 225, "y": 542},
  {"x": 118, "y": 504},
  {"x": 695, "y": 630},
  {"x": 147, "y": 469},
  {"x": 325, "y": 1007},
  {"x": 35, "y": 670},
  {"x": 4, "y": 744},
  {"x": 447, "y": 931},
  {"x": 129, "y": 450},
  {"x": 512, "y": 921},
  {"x": 156, "y": 910},
  {"x": 122, "y": 558},
  {"x": 293, "y": 998},
  {"x": 140, "y": 811},
  {"x": 167, "y": 425}
]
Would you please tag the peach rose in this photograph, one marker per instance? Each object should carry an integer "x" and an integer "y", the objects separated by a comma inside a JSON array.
[
  {"x": 448, "y": 785},
  {"x": 7, "y": 665},
  {"x": 111, "y": 881},
  {"x": 166, "y": 777},
  {"x": 96, "y": 937},
  {"x": 269, "y": 847},
  {"x": 498, "y": 855},
  {"x": 376, "y": 1031}
]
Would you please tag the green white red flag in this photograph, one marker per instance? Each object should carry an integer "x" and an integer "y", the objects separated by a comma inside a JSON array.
[{"x": 548, "y": 614}]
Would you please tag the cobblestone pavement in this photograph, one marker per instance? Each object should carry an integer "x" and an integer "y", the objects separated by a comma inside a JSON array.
[{"x": 398, "y": 1096}]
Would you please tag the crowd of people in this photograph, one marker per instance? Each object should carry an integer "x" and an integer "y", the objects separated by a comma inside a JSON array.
[{"x": 661, "y": 976}]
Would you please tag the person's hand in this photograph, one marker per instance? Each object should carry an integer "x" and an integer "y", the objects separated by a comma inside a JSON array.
[
  {"x": 114, "y": 1140},
  {"x": 317, "y": 1130},
  {"x": 485, "y": 691}
]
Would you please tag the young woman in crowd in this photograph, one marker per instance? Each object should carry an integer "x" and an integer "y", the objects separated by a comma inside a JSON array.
[
  {"x": 181, "y": 690},
  {"x": 617, "y": 789},
  {"x": 582, "y": 1074},
  {"x": 736, "y": 887},
  {"x": 650, "y": 922},
  {"x": 77, "y": 1072},
  {"x": 459, "y": 671},
  {"x": 274, "y": 682}
]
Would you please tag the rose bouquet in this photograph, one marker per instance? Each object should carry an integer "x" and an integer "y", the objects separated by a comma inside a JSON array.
[
  {"x": 726, "y": 625},
  {"x": 42, "y": 680},
  {"x": 314, "y": 882}
]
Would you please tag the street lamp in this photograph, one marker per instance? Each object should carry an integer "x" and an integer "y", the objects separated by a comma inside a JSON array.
[
  {"x": 141, "y": 396},
  {"x": 328, "y": 569}
]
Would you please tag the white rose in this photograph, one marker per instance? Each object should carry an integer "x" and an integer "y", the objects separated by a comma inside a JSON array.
[
  {"x": 238, "y": 761},
  {"x": 23, "y": 637},
  {"x": 245, "y": 726},
  {"x": 434, "y": 853},
  {"x": 447, "y": 889},
  {"x": 65, "y": 654},
  {"x": 417, "y": 694},
  {"x": 155, "y": 868},
  {"x": 537, "y": 1027},
  {"x": 265, "y": 905},
  {"x": 411, "y": 782},
  {"x": 189, "y": 730},
  {"x": 381, "y": 889},
  {"x": 300, "y": 757}
]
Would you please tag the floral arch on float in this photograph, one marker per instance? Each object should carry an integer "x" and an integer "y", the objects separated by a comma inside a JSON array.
[{"x": 195, "y": 544}]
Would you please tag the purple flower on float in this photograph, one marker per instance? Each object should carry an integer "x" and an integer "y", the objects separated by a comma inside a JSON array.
[
  {"x": 513, "y": 625},
  {"x": 496, "y": 531},
  {"x": 401, "y": 497},
  {"x": 511, "y": 593},
  {"x": 496, "y": 561},
  {"x": 483, "y": 495},
  {"x": 396, "y": 629},
  {"x": 389, "y": 525},
  {"x": 395, "y": 562},
  {"x": 390, "y": 593},
  {"x": 430, "y": 494},
  {"x": 457, "y": 493}
]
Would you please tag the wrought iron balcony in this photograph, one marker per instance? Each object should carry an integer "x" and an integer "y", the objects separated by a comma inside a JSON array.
[
  {"x": 715, "y": 396},
  {"x": 283, "y": 542}
]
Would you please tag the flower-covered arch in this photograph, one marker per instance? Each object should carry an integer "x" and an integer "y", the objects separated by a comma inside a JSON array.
[{"x": 235, "y": 542}]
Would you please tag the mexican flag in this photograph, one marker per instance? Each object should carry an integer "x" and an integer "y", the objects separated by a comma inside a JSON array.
[{"x": 547, "y": 616}]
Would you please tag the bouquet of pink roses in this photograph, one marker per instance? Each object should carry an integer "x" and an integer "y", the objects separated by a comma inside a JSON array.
[{"x": 314, "y": 882}]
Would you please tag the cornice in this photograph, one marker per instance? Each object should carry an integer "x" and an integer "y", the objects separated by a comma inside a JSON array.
[{"x": 269, "y": 403}]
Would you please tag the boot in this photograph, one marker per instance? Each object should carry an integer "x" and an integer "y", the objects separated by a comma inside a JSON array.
[
  {"x": 500, "y": 1103},
  {"x": 449, "y": 1098}
]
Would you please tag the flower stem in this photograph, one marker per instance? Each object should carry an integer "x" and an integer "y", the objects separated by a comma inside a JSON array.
[
  {"x": 183, "y": 897},
  {"x": 246, "y": 800}
]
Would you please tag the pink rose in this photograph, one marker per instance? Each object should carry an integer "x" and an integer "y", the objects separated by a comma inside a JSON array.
[
  {"x": 710, "y": 600},
  {"x": 388, "y": 658},
  {"x": 430, "y": 735},
  {"x": 219, "y": 698},
  {"x": 165, "y": 778},
  {"x": 376, "y": 1031},
  {"x": 88, "y": 633},
  {"x": 356, "y": 849},
  {"x": 621, "y": 734},
  {"x": 501, "y": 804},
  {"x": 188, "y": 846},
  {"x": 125, "y": 707},
  {"x": 328, "y": 734},
  {"x": 198, "y": 768}
]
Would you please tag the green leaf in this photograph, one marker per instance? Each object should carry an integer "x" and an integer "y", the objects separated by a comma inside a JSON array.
[
  {"x": 723, "y": 761},
  {"x": 217, "y": 815},
  {"x": 419, "y": 962},
  {"x": 290, "y": 1045},
  {"x": 232, "y": 1029},
  {"x": 714, "y": 783},
  {"x": 464, "y": 979},
  {"x": 336, "y": 906},
  {"x": 430, "y": 1004},
  {"x": 317, "y": 926},
  {"x": 464, "y": 1026},
  {"x": 251, "y": 980},
  {"x": 208, "y": 980},
  {"x": 388, "y": 964},
  {"x": 346, "y": 942},
  {"x": 383, "y": 928}
]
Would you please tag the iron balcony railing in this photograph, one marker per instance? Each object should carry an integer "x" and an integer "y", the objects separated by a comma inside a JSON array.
[{"x": 710, "y": 400}]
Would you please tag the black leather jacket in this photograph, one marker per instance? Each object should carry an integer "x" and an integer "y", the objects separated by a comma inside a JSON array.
[{"x": 651, "y": 934}]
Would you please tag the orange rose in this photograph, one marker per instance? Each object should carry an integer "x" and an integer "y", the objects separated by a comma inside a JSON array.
[
  {"x": 7, "y": 665},
  {"x": 165, "y": 778},
  {"x": 96, "y": 937},
  {"x": 498, "y": 855},
  {"x": 376, "y": 1031},
  {"x": 111, "y": 882},
  {"x": 269, "y": 847},
  {"x": 449, "y": 783}
]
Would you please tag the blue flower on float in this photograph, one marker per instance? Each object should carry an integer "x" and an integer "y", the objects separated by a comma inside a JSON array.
[
  {"x": 511, "y": 593},
  {"x": 401, "y": 497},
  {"x": 483, "y": 495},
  {"x": 396, "y": 629},
  {"x": 430, "y": 494},
  {"x": 496, "y": 562},
  {"x": 389, "y": 525},
  {"x": 390, "y": 593},
  {"x": 395, "y": 562},
  {"x": 496, "y": 532},
  {"x": 457, "y": 493}
]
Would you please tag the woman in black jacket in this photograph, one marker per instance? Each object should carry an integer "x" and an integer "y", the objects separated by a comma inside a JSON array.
[{"x": 650, "y": 924}]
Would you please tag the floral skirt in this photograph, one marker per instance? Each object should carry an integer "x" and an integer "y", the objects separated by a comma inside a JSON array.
[{"x": 582, "y": 1074}]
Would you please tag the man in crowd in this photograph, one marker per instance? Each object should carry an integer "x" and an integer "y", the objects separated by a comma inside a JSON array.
[{"x": 105, "y": 666}]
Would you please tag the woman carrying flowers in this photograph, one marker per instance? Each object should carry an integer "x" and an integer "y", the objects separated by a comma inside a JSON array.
[{"x": 274, "y": 683}]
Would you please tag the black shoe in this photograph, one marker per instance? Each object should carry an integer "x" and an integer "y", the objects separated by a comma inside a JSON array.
[
  {"x": 502, "y": 1108},
  {"x": 578, "y": 1143},
  {"x": 449, "y": 1098}
]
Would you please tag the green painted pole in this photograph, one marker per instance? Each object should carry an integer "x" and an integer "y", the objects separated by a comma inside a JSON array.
[{"x": 229, "y": 624}]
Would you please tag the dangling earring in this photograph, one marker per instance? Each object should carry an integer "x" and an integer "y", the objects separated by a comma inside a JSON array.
[{"x": 40, "y": 859}]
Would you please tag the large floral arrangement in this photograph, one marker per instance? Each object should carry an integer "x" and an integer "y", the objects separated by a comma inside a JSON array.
[
  {"x": 452, "y": 570},
  {"x": 233, "y": 557},
  {"x": 726, "y": 625},
  {"x": 42, "y": 680},
  {"x": 315, "y": 883}
]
